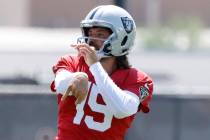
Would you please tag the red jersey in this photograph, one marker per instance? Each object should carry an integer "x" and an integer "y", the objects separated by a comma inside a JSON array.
[{"x": 91, "y": 120}]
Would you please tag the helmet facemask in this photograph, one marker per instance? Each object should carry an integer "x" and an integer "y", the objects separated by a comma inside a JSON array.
[{"x": 103, "y": 50}]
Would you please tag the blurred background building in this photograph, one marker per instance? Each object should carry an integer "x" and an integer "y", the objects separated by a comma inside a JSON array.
[
  {"x": 172, "y": 45},
  {"x": 67, "y": 13}
]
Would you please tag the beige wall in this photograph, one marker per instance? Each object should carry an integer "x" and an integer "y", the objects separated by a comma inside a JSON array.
[
  {"x": 186, "y": 8},
  {"x": 63, "y": 13},
  {"x": 14, "y": 12},
  {"x": 169, "y": 9},
  {"x": 69, "y": 13}
]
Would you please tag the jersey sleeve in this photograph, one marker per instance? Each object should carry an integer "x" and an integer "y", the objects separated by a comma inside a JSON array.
[
  {"x": 64, "y": 63},
  {"x": 142, "y": 85}
]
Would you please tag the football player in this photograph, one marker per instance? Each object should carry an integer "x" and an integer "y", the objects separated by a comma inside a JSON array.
[{"x": 98, "y": 92}]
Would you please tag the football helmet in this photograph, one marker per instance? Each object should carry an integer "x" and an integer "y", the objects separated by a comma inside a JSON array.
[{"x": 119, "y": 21}]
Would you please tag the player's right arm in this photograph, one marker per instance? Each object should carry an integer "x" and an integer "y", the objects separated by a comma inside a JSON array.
[{"x": 68, "y": 82}]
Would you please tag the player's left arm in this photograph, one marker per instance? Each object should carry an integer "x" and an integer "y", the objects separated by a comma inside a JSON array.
[{"x": 122, "y": 103}]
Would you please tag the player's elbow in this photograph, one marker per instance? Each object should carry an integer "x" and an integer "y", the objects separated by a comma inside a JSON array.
[
  {"x": 62, "y": 81},
  {"x": 127, "y": 109}
]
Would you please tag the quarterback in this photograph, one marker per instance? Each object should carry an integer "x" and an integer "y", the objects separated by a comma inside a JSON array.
[{"x": 98, "y": 92}]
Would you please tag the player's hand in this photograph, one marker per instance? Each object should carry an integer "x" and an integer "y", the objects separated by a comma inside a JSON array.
[
  {"x": 78, "y": 88},
  {"x": 88, "y": 52}
]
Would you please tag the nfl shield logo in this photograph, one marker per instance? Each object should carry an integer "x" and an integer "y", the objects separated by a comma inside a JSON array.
[
  {"x": 127, "y": 24},
  {"x": 144, "y": 92}
]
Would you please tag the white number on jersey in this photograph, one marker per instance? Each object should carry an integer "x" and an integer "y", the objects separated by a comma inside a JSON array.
[{"x": 99, "y": 126}]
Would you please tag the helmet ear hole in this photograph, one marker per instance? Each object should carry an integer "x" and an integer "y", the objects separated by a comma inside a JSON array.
[
  {"x": 124, "y": 40},
  {"x": 107, "y": 48}
]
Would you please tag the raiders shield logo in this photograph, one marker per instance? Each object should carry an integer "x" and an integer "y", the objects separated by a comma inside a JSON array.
[{"x": 127, "y": 24}]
